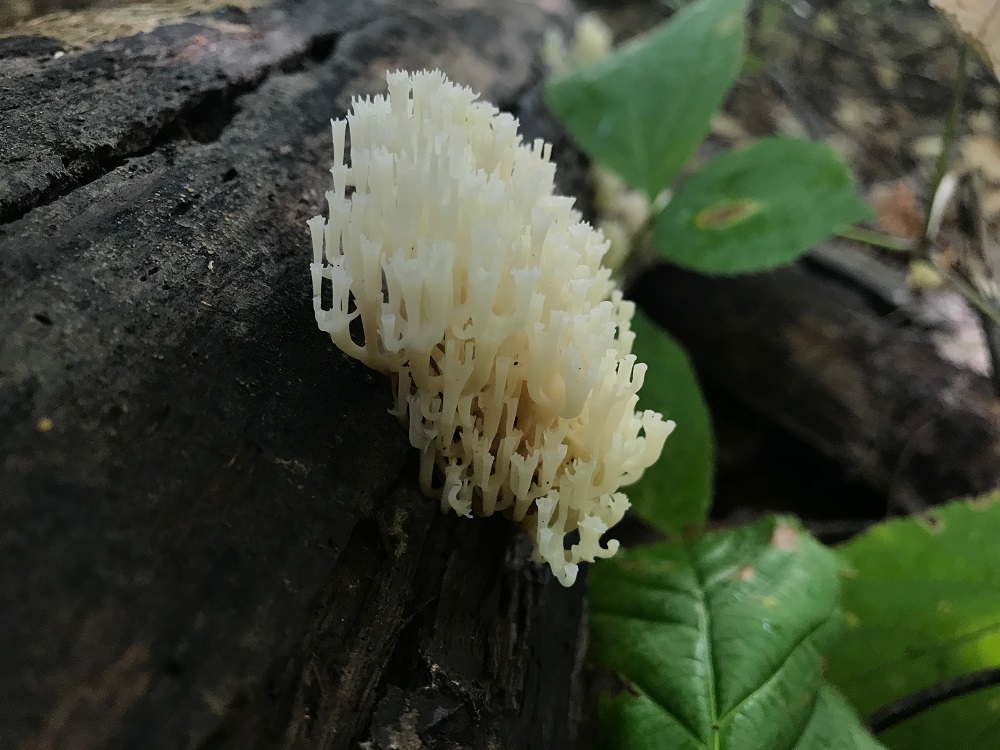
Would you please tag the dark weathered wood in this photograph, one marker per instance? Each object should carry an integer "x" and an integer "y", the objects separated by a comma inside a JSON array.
[
  {"x": 209, "y": 533},
  {"x": 838, "y": 353}
]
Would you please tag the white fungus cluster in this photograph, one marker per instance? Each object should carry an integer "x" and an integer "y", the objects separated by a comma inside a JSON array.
[{"x": 456, "y": 270}]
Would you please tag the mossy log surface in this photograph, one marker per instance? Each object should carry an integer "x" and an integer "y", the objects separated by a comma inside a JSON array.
[{"x": 211, "y": 536}]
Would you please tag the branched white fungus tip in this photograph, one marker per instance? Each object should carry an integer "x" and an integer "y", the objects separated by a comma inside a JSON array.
[{"x": 482, "y": 295}]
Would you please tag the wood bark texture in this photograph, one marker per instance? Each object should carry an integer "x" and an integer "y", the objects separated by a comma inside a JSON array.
[{"x": 210, "y": 533}]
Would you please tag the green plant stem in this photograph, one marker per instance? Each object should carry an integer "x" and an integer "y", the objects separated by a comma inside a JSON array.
[
  {"x": 950, "y": 128},
  {"x": 876, "y": 239}
]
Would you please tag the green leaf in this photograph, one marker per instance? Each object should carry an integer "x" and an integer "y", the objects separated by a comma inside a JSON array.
[
  {"x": 834, "y": 725},
  {"x": 922, "y": 606},
  {"x": 758, "y": 208},
  {"x": 717, "y": 643},
  {"x": 644, "y": 109},
  {"x": 674, "y": 493}
]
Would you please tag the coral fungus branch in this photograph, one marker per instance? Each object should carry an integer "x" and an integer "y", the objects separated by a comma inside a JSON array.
[{"x": 482, "y": 294}]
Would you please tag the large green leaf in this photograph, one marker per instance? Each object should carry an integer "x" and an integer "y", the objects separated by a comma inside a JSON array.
[
  {"x": 644, "y": 109},
  {"x": 922, "y": 606},
  {"x": 758, "y": 208},
  {"x": 674, "y": 493},
  {"x": 717, "y": 643}
]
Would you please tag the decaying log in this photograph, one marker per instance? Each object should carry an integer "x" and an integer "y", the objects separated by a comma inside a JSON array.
[
  {"x": 837, "y": 352},
  {"x": 209, "y": 532}
]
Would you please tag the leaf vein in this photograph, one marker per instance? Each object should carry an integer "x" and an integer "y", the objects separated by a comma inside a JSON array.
[
  {"x": 634, "y": 685},
  {"x": 803, "y": 641},
  {"x": 712, "y": 671}
]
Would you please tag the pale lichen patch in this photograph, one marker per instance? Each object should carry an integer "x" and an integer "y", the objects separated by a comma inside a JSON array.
[{"x": 82, "y": 29}]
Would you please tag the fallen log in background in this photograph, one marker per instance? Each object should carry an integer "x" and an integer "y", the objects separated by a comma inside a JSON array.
[
  {"x": 210, "y": 536},
  {"x": 837, "y": 352}
]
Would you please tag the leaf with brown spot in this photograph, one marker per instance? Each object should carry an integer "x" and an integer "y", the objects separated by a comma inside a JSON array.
[
  {"x": 758, "y": 208},
  {"x": 726, "y": 214}
]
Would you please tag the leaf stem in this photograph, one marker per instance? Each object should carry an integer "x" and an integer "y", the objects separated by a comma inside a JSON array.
[
  {"x": 911, "y": 705},
  {"x": 950, "y": 128},
  {"x": 875, "y": 239}
]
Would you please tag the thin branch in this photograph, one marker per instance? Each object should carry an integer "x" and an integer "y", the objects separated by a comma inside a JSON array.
[
  {"x": 991, "y": 331},
  {"x": 981, "y": 262},
  {"x": 895, "y": 244},
  {"x": 950, "y": 128},
  {"x": 911, "y": 705},
  {"x": 978, "y": 301}
]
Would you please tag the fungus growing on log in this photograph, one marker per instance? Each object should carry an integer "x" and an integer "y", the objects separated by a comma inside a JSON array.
[{"x": 452, "y": 267}]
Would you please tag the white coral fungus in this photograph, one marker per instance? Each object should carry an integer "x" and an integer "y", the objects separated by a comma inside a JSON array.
[{"x": 482, "y": 295}]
